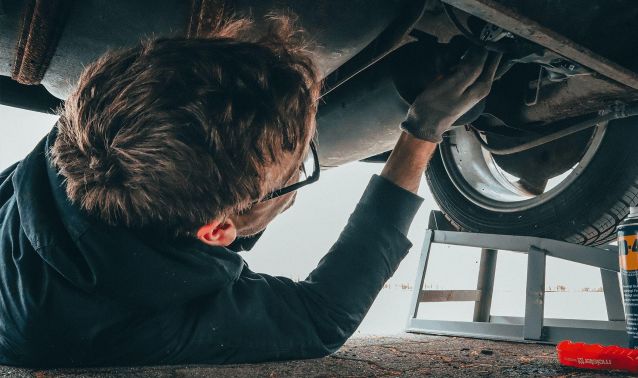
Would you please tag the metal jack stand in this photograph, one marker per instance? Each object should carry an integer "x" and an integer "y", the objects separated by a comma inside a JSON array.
[{"x": 534, "y": 327}]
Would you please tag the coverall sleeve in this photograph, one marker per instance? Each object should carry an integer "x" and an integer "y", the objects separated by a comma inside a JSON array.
[{"x": 264, "y": 318}]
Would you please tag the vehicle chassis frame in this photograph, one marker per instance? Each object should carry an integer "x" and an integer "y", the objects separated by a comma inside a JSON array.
[{"x": 502, "y": 15}]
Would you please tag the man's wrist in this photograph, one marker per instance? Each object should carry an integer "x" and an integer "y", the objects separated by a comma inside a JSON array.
[
  {"x": 414, "y": 149},
  {"x": 421, "y": 130},
  {"x": 408, "y": 161},
  {"x": 415, "y": 130}
]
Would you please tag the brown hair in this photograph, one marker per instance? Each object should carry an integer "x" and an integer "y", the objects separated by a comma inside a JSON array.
[{"x": 174, "y": 133}]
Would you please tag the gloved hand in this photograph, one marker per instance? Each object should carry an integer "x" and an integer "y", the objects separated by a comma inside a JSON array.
[{"x": 449, "y": 97}]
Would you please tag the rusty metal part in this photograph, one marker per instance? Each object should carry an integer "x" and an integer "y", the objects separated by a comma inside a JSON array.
[
  {"x": 40, "y": 29},
  {"x": 576, "y": 96},
  {"x": 618, "y": 112},
  {"x": 207, "y": 16},
  {"x": 507, "y": 17},
  {"x": 607, "y": 27},
  {"x": 571, "y": 98}
]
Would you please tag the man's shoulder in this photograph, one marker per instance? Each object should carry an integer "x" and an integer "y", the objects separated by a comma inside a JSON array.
[
  {"x": 6, "y": 187},
  {"x": 7, "y": 172}
]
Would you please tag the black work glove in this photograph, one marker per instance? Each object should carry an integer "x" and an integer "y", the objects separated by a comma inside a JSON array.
[{"x": 448, "y": 97}]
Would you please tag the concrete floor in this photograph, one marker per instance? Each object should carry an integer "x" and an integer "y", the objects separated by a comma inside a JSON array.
[{"x": 402, "y": 355}]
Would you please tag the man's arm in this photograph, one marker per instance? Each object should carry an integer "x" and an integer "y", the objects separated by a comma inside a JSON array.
[
  {"x": 259, "y": 317},
  {"x": 408, "y": 161}
]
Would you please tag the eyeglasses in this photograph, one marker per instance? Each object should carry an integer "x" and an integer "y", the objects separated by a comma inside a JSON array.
[{"x": 309, "y": 173}]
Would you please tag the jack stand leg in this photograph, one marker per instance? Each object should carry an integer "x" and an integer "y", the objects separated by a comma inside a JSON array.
[
  {"x": 420, "y": 277},
  {"x": 535, "y": 299},
  {"x": 613, "y": 298},
  {"x": 485, "y": 286}
]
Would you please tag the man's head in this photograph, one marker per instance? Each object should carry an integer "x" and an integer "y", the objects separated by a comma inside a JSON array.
[{"x": 175, "y": 134}]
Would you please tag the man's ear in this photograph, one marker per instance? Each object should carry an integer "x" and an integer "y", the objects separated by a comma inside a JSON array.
[{"x": 218, "y": 234}]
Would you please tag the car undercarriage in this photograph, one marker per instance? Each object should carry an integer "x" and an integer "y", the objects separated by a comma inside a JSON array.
[{"x": 548, "y": 153}]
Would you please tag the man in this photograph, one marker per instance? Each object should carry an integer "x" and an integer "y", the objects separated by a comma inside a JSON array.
[{"x": 115, "y": 229}]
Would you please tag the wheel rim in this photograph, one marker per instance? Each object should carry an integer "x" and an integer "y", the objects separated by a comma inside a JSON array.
[{"x": 478, "y": 177}]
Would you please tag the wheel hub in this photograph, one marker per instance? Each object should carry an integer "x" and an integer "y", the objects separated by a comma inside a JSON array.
[{"x": 515, "y": 183}]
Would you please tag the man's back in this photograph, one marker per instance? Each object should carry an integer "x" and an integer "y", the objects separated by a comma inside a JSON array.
[{"x": 77, "y": 292}]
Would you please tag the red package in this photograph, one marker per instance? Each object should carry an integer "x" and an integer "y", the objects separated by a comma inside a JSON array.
[{"x": 596, "y": 356}]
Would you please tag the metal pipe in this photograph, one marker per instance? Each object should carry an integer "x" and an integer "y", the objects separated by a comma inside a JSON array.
[{"x": 617, "y": 113}]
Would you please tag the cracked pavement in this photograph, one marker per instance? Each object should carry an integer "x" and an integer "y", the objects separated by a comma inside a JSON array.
[{"x": 403, "y": 355}]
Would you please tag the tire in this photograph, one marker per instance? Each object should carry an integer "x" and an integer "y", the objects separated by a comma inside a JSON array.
[{"x": 586, "y": 211}]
